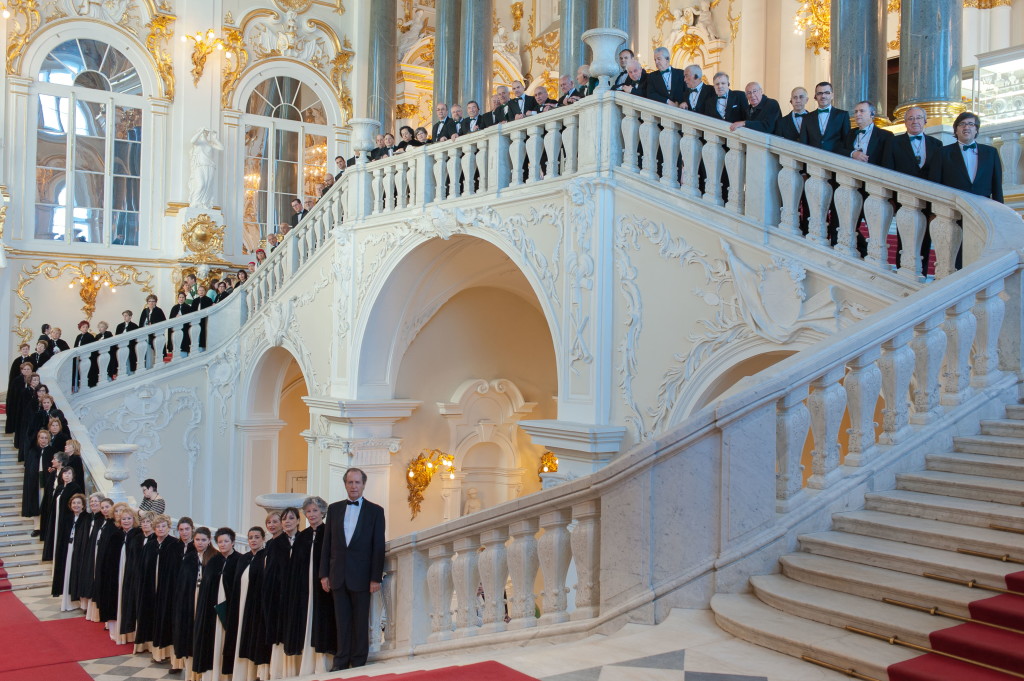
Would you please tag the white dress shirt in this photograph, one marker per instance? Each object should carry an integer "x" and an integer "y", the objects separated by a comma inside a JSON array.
[
  {"x": 863, "y": 139},
  {"x": 351, "y": 518},
  {"x": 918, "y": 147},
  {"x": 970, "y": 160},
  {"x": 695, "y": 95}
]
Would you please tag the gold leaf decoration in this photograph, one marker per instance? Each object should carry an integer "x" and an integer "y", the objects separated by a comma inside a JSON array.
[
  {"x": 25, "y": 19},
  {"x": 161, "y": 30},
  {"x": 236, "y": 59}
]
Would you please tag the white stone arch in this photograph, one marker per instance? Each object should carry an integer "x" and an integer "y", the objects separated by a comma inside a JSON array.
[
  {"x": 407, "y": 268},
  {"x": 55, "y": 33},
  {"x": 292, "y": 68}
]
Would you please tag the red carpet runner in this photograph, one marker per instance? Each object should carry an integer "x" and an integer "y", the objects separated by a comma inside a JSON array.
[
  {"x": 991, "y": 646},
  {"x": 482, "y": 671},
  {"x": 29, "y": 644}
]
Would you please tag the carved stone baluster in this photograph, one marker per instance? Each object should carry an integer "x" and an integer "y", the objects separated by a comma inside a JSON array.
[
  {"x": 585, "y": 542},
  {"x": 171, "y": 339},
  {"x": 862, "y": 383},
  {"x": 630, "y": 138},
  {"x": 1009, "y": 153},
  {"x": 929, "y": 346},
  {"x": 469, "y": 169},
  {"x": 389, "y": 187},
  {"x": 990, "y": 310},
  {"x": 517, "y": 155},
  {"x": 878, "y": 213},
  {"x": 389, "y": 601},
  {"x": 692, "y": 150},
  {"x": 649, "y": 140},
  {"x": 414, "y": 197},
  {"x": 439, "y": 588},
  {"x": 467, "y": 578},
  {"x": 911, "y": 224},
  {"x": 123, "y": 367},
  {"x": 669, "y": 142},
  {"x": 378, "y": 191},
  {"x": 897, "y": 366},
  {"x": 553, "y": 148},
  {"x": 103, "y": 364},
  {"x": 819, "y": 195},
  {"x": 555, "y": 554},
  {"x": 441, "y": 187},
  {"x": 792, "y": 419},
  {"x": 960, "y": 327},
  {"x": 535, "y": 146},
  {"x": 376, "y": 620},
  {"x": 402, "y": 185},
  {"x": 848, "y": 202},
  {"x": 522, "y": 568},
  {"x": 455, "y": 172},
  {"x": 947, "y": 236},
  {"x": 736, "y": 169},
  {"x": 714, "y": 164},
  {"x": 481, "y": 163},
  {"x": 791, "y": 186},
  {"x": 570, "y": 142},
  {"x": 499, "y": 165},
  {"x": 827, "y": 404},
  {"x": 493, "y": 566}
]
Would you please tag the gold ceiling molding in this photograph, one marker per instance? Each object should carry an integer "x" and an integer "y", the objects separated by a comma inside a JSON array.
[
  {"x": 161, "y": 31},
  {"x": 986, "y": 4},
  {"x": 297, "y": 6},
  {"x": 25, "y": 20},
  {"x": 90, "y": 276}
]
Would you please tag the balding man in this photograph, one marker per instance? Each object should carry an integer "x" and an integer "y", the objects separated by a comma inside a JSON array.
[
  {"x": 763, "y": 113},
  {"x": 521, "y": 104},
  {"x": 564, "y": 90},
  {"x": 790, "y": 124},
  {"x": 636, "y": 79},
  {"x": 666, "y": 85},
  {"x": 697, "y": 93},
  {"x": 444, "y": 128}
]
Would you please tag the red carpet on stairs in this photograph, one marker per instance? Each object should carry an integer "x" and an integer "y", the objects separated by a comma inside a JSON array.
[
  {"x": 988, "y": 645},
  {"x": 482, "y": 671}
]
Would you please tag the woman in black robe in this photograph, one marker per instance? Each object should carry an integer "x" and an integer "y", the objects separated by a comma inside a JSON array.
[
  {"x": 14, "y": 382},
  {"x": 178, "y": 309},
  {"x": 83, "y": 338},
  {"x": 30, "y": 416},
  {"x": 114, "y": 572},
  {"x": 185, "y": 597},
  {"x": 323, "y": 633},
  {"x": 287, "y": 597},
  {"x": 161, "y": 559},
  {"x": 49, "y": 477},
  {"x": 130, "y": 586},
  {"x": 30, "y": 484},
  {"x": 73, "y": 452},
  {"x": 41, "y": 355},
  {"x": 245, "y": 619},
  {"x": 215, "y": 587},
  {"x": 100, "y": 509},
  {"x": 106, "y": 581},
  {"x": 59, "y": 436},
  {"x": 60, "y": 513},
  {"x": 47, "y": 410},
  {"x": 72, "y": 532},
  {"x": 26, "y": 408},
  {"x": 102, "y": 333}
]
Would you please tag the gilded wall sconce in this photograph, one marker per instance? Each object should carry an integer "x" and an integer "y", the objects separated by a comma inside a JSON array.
[{"x": 421, "y": 471}]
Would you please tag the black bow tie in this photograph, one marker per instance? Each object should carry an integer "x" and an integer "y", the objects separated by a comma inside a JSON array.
[
  {"x": 800, "y": 115},
  {"x": 723, "y": 96},
  {"x": 351, "y": 503},
  {"x": 915, "y": 137},
  {"x": 972, "y": 145},
  {"x": 823, "y": 111},
  {"x": 666, "y": 70}
]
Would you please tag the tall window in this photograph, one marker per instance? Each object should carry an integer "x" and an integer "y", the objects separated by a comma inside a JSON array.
[
  {"x": 285, "y": 152},
  {"x": 88, "y": 145}
]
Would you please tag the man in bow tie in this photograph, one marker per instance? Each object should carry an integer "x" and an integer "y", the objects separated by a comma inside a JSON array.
[
  {"x": 352, "y": 567},
  {"x": 665, "y": 85},
  {"x": 869, "y": 144},
  {"x": 967, "y": 165},
  {"x": 444, "y": 128},
  {"x": 914, "y": 154},
  {"x": 762, "y": 113},
  {"x": 727, "y": 105},
  {"x": 827, "y": 127},
  {"x": 697, "y": 93},
  {"x": 790, "y": 124}
]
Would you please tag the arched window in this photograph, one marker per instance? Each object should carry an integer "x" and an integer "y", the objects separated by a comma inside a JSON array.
[
  {"x": 285, "y": 151},
  {"x": 88, "y": 145}
]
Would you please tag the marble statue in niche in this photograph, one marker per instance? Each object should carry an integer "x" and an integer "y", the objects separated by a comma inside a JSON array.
[
  {"x": 204, "y": 168},
  {"x": 473, "y": 502}
]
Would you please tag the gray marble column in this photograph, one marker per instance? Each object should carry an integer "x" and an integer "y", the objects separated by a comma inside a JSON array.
[
  {"x": 383, "y": 64},
  {"x": 575, "y": 17},
  {"x": 858, "y": 53},
  {"x": 620, "y": 14},
  {"x": 476, "y": 53},
  {"x": 446, "y": 50},
  {"x": 931, "y": 33}
]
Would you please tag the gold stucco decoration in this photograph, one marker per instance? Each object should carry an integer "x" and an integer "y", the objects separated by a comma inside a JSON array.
[
  {"x": 203, "y": 238},
  {"x": 25, "y": 21},
  {"x": 161, "y": 30}
]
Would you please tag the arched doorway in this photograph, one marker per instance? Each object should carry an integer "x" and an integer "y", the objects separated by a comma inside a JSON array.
[{"x": 274, "y": 451}]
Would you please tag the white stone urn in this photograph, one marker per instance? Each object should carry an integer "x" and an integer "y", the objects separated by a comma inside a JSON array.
[
  {"x": 604, "y": 43},
  {"x": 117, "y": 468},
  {"x": 278, "y": 501},
  {"x": 364, "y": 131}
]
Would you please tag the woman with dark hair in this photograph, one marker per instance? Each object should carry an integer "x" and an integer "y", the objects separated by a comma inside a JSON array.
[
  {"x": 58, "y": 434},
  {"x": 243, "y": 276},
  {"x": 161, "y": 559},
  {"x": 50, "y": 479},
  {"x": 14, "y": 382},
  {"x": 184, "y": 608},
  {"x": 28, "y": 403},
  {"x": 180, "y": 308},
  {"x": 115, "y": 567},
  {"x": 60, "y": 512},
  {"x": 408, "y": 136},
  {"x": 421, "y": 138},
  {"x": 89, "y": 573},
  {"x": 47, "y": 410},
  {"x": 30, "y": 484},
  {"x": 15, "y": 394},
  {"x": 83, "y": 338},
  {"x": 41, "y": 355},
  {"x": 245, "y": 619},
  {"x": 287, "y": 594},
  {"x": 73, "y": 531},
  {"x": 215, "y": 588}
]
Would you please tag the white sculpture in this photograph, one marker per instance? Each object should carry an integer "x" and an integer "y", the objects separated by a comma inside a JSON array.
[
  {"x": 473, "y": 502},
  {"x": 699, "y": 16},
  {"x": 412, "y": 31},
  {"x": 204, "y": 168},
  {"x": 506, "y": 44}
]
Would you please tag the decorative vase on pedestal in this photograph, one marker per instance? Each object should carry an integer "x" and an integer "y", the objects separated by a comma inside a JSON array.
[{"x": 117, "y": 469}]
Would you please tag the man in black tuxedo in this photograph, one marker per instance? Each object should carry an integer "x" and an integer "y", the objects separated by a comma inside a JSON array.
[
  {"x": 473, "y": 121},
  {"x": 582, "y": 88},
  {"x": 873, "y": 145},
  {"x": 299, "y": 213},
  {"x": 827, "y": 127},
  {"x": 914, "y": 154},
  {"x": 520, "y": 104},
  {"x": 636, "y": 79},
  {"x": 789, "y": 125},
  {"x": 697, "y": 93},
  {"x": 624, "y": 57},
  {"x": 727, "y": 105},
  {"x": 352, "y": 567},
  {"x": 564, "y": 90},
  {"x": 495, "y": 115},
  {"x": 666, "y": 84},
  {"x": 967, "y": 165},
  {"x": 339, "y": 161},
  {"x": 457, "y": 120},
  {"x": 378, "y": 151},
  {"x": 444, "y": 128},
  {"x": 124, "y": 327},
  {"x": 763, "y": 113}
]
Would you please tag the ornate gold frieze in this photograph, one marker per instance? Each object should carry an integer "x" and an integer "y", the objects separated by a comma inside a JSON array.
[
  {"x": 986, "y": 4},
  {"x": 237, "y": 58},
  {"x": 90, "y": 277},
  {"x": 938, "y": 112},
  {"x": 204, "y": 238},
  {"x": 25, "y": 21},
  {"x": 161, "y": 31},
  {"x": 517, "y": 15},
  {"x": 297, "y": 6}
]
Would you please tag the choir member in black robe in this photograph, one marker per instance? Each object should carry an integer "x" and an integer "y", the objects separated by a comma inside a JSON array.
[
  {"x": 41, "y": 355},
  {"x": 83, "y": 338},
  {"x": 106, "y": 582},
  {"x": 124, "y": 327},
  {"x": 324, "y": 632},
  {"x": 73, "y": 452},
  {"x": 41, "y": 421},
  {"x": 30, "y": 485},
  {"x": 32, "y": 418},
  {"x": 185, "y": 598},
  {"x": 60, "y": 513},
  {"x": 73, "y": 531},
  {"x": 14, "y": 382},
  {"x": 202, "y": 302},
  {"x": 87, "y": 572},
  {"x": 103, "y": 333},
  {"x": 59, "y": 435},
  {"x": 49, "y": 476},
  {"x": 131, "y": 585},
  {"x": 245, "y": 620},
  {"x": 128, "y": 521},
  {"x": 208, "y": 634},
  {"x": 181, "y": 308},
  {"x": 26, "y": 409},
  {"x": 161, "y": 559}
]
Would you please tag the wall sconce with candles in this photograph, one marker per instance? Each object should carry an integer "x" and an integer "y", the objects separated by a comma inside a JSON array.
[
  {"x": 203, "y": 44},
  {"x": 548, "y": 464},
  {"x": 421, "y": 471}
]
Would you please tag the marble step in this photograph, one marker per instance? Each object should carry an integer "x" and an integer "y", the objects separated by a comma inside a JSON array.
[
  {"x": 15, "y": 531},
  {"x": 746, "y": 617},
  {"x": 43, "y": 582},
  {"x": 977, "y": 464},
  {"x": 976, "y": 487},
  {"x": 873, "y": 582},
  {"x": 26, "y": 572},
  {"x": 17, "y": 521},
  {"x": 839, "y": 609},
  {"x": 23, "y": 540},
  {"x": 990, "y": 445},
  {"x": 25, "y": 561},
  {"x": 948, "y": 509},
  {"x": 934, "y": 534},
  {"x": 1009, "y": 428},
  {"x": 1015, "y": 411},
  {"x": 18, "y": 552},
  {"x": 903, "y": 557}
]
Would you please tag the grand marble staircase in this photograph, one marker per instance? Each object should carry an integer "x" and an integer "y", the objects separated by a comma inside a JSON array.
[
  {"x": 19, "y": 551},
  {"x": 925, "y": 525}
]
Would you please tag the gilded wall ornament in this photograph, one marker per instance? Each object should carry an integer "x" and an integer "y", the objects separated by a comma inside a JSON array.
[
  {"x": 297, "y": 6},
  {"x": 234, "y": 47},
  {"x": 204, "y": 238},
  {"x": 25, "y": 21},
  {"x": 161, "y": 30}
]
